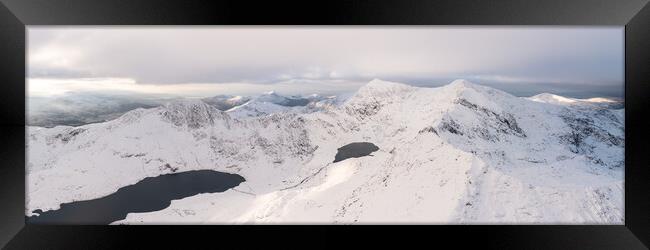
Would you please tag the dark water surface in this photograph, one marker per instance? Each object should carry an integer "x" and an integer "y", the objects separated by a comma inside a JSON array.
[
  {"x": 355, "y": 150},
  {"x": 149, "y": 194}
]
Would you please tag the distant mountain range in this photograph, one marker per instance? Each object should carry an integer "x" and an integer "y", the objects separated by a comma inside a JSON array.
[
  {"x": 77, "y": 109},
  {"x": 80, "y": 109},
  {"x": 608, "y": 103}
]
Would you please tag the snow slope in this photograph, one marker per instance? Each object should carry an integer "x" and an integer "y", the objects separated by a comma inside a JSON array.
[{"x": 461, "y": 153}]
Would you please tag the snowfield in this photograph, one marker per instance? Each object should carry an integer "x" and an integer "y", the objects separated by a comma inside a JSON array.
[{"x": 460, "y": 154}]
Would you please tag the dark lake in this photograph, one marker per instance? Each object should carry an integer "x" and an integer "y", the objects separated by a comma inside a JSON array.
[
  {"x": 149, "y": 194},
  {"x": 354, "y": 150}
]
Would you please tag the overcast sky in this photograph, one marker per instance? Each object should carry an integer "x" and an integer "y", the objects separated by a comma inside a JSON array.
[{"x": 574, "y": 61}]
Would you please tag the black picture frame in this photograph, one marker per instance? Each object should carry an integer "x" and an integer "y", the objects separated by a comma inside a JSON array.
[{"x": 633, "y": 14}]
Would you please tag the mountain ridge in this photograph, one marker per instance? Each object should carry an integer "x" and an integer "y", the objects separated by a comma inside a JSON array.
[{"x": 439, "y": 150}]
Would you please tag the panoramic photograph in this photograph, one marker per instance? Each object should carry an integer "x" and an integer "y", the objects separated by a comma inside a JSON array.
[{"x": 325, "y": 125}]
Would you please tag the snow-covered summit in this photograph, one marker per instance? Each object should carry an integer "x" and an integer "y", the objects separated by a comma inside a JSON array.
[
  {"x": 369, "y": 97},
  {"x": 192, "y": 113},
  {"x": 381, "y": 88},
  {"x": 461, "y": 84},
  {"x": 465, "y": 88},
  {"x": 186, "y": 104}
]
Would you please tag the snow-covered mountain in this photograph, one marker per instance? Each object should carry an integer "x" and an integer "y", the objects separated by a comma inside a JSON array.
[
  {"x": 598, "y": 102},
  {"x": 461, "y": 153},
  {"x": 271, "y": 102},
  {"x": 226, "y": 102}
]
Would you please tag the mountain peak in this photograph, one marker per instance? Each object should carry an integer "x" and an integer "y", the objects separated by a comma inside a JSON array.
[
  {"x": 185, "y": 104},
  {"x": 378, "y": 82},
  {"x": 377, "y": 85},
  {"x": 468, "y": 89},
  {"x": 378, "y": 90},
  {"x": 461, "y": 83},
  {"x": 191, "y": 112}
]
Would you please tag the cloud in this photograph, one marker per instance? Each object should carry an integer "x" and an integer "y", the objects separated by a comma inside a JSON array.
[
  {"x": 315, "y": 55},
  {"x": 48, "y": 87}
]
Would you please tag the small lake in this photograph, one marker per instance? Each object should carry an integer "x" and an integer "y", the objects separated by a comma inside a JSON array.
[
  {"x": 148, "y": 195},
  {"x": 355, "y": 150}
]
